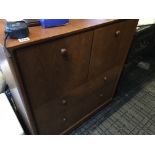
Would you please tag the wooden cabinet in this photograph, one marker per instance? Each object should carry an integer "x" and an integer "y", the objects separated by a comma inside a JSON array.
[{"x": 65, "y": 77}]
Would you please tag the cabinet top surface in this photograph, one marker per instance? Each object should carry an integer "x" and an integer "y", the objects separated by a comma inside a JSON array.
[{"x": 37, "y": 33}]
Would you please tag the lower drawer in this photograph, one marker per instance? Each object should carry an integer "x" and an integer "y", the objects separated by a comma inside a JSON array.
[{"x": 63, "y": 113}]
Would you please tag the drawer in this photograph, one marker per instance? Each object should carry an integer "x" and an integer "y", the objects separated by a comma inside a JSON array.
[
  {"x": 87, "y": 98},
  {"x": 76, "y": 104}
]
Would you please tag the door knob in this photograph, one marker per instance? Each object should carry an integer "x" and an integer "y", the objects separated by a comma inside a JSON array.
[
  {"x": 117, "y": 33},
  {"x": 63, "y": 51},
  {"x": 105, "y": 78}
]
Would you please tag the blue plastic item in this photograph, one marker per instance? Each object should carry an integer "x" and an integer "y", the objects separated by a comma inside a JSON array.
[{"x": 53, "y": 22}]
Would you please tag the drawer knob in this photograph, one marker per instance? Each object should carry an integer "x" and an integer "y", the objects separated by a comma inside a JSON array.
[
  {"x": 64, "y": 119},
  {"x": 105, "y": 78},
  {"x": 117, "y": 33},
  {"x": 64, "y": 102},
  {"x": 63, "y": 51},
  {"x": 101, "y": 95}
]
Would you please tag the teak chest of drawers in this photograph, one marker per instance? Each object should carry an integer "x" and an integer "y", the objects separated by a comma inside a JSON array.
[{"x": 64, "y": 74}]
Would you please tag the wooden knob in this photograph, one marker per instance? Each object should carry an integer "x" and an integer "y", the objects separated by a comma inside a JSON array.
[
  {"x": 64, "y": 102},
  {"x": 117, "y": 33},
  {"x": 101, "y": 95},
  {"x": 64, "y": 119},
  {"x": 105, "y": 78},
  {"x": 63, "y": 51}
]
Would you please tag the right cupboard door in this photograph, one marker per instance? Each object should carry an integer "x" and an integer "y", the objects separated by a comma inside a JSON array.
[{"x": 109, "y": 50}]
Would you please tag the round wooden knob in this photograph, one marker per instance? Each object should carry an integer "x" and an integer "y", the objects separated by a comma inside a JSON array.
[
  {"x": 64, "y": 102},
  {"x": 63, "y": 51},
  {"x": 101, "y": 95},
  {"x": 64, "y": 119},
  {"x": 117, "y": 33},
  {"x": 105, "y": 78}
]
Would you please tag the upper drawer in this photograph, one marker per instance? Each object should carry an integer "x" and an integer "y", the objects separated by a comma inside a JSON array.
[{"x": 52, "y": 68}]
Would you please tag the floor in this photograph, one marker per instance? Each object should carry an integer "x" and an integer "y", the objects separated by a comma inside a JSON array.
[{"x": 132, "y": 110}]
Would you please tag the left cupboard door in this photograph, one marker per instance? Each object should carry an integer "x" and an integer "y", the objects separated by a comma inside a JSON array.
[{"x": 48, "y": 71}]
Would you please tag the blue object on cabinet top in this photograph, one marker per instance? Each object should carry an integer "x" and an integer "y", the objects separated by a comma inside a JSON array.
[{"x": 53, "y": 22}]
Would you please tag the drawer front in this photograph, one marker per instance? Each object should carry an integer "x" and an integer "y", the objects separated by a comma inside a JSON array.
[
  {"x": 110, "y": 46},
  {"x": 86, "y": 99},
  {"x": 76, "y": 104}
]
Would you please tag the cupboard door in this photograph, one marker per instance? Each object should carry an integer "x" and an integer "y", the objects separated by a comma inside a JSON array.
[
  {"x": 51, "y": 69},
  {"x": 110, "y": 46}
]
